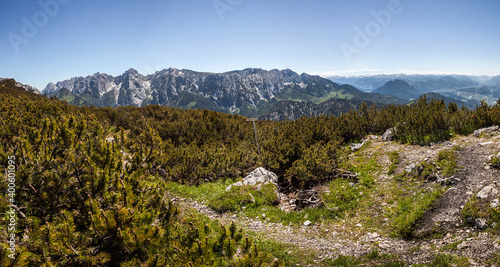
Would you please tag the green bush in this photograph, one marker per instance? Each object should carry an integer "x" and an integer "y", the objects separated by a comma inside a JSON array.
[{"x": 317, "y": 165}]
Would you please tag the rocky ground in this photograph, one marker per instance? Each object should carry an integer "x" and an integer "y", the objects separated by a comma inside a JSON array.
[{"x": 332, "y": 240}]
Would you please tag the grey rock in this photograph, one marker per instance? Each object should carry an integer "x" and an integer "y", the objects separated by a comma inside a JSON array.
[
  {"x": 495, "y": 203},
  {"x": 410, "y": 167},
  {"x": 260, "y": 175},
  {"x": 356, "y": 146},
  {"x": 257, "y": 177},
  {"x": 448, "y": 181},
  {"x": 486, "y": 143},
  {"x": 389, "y": 134},
  {"x": 485, "y": 130},
  {"x": 481, "y": 223},
  {"x": 463, "y": 245},
  {"x": 385, "y": 245},
  {"x": 307, "y": 223},
  {"x": 487, "y": 191}
]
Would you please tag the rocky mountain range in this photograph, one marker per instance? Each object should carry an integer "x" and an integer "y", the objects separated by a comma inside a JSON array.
[{"x": 249, "y": 92}]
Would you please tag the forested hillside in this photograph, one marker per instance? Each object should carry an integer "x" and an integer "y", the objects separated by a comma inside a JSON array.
[{"x": 90, "y": 182}]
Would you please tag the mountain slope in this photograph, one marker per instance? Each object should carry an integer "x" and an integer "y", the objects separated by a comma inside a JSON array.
[
  {"x": 12, "y": 87},
  {"x": 26, "y": 87},
  {"x": 421, "y": 82},
  {"x": 447, "y": 100},
  {"x": 293, "y": 110},
  {"x": 245, "y": 92},
  {"x": 399, "y": 89}
]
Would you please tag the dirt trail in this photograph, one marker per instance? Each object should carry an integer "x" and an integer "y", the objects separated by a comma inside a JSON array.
[
  {"x": 329, "y": 241},
  {"x": 472, "y": 177}
]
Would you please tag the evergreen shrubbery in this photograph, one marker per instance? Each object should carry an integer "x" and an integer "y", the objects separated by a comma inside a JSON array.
[{"x": 91, "y": 181}]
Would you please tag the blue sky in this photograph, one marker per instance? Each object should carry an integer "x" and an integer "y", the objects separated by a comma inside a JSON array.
[{"x": 52, "y": 40}]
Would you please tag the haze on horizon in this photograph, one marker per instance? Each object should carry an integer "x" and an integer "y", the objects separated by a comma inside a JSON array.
[{"x": 51, "y": 40}]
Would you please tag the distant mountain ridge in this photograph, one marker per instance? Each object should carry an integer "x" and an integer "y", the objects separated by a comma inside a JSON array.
[
  {"x": 399, "y": 89},
  {"x": 466, "y": 88},
  {"x": 426, "y": 82},
  {"x": 247, "y": 92}
]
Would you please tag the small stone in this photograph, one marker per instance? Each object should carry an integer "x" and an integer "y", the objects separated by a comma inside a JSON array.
[
  {"x": 384, "y": 245},
  {"x": 373, "y": 235},
  {"x": 410, "y": 167},
  {"x": 486, "y": 143},
  {"x": 481, "y": 223},
  {"x": 388, "y": 134},
  {"x": 307, "y": 223},
  {"x": 356, "y": 146},
  {"x": 263, "y": 216},
  {"x": 487, "y": 191},
  {"x": 426, "y": 248},
  {"x": 462, "y": 245},
  {"x": 359, "y": 225},
  {"x": 495, "y": 203}
]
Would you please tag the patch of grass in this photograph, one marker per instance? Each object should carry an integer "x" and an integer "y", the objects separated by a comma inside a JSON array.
[
  {"x": 373, "y": 254},
  {"x": 451, "y": 246},
  {"x": 240, "y": 196},
  {"x": 289, "y": 254},
  {"x": 343, "y": 196},
  {"x": 345, "y": 261},
  {"x": 445, "y": 260},
  {"x": 441, "y": 260},
  {"x": 395, "y": 160},
  {"x": 471, "y": 210},
  {"x": 413, "y": 249},
  {"x": 201, "y": 192},
  {"x": 275, "y": 214},
  {"x": 447, "y": 161},
  {"x": 495, "y": 161},
  {"x": 395, "y": 263},
  {"x": 410, "y": 209},
  {"x": 371, "y": 259},
  {"x": 494, "y": 260},
  {"x": 480, "y": 208}
]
